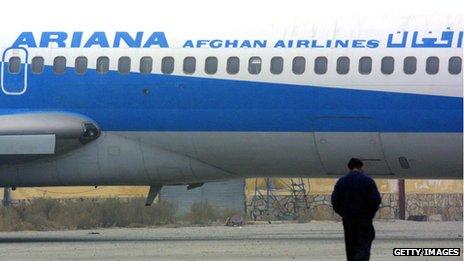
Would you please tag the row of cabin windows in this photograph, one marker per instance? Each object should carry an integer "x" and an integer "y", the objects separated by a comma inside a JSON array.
[{"x": 387, "y": 65}]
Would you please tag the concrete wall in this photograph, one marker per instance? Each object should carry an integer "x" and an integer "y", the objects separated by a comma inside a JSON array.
[
  {"x": 445, "y": 207},
  {"x": 226, "y": 195}
]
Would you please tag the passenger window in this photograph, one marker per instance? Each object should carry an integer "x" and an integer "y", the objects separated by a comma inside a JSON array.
[
  {"x": 254, "y": 65},
  {"x": 320, "y": 65},
  {"x": 343, "y": 65},
  {"x": 124, "y": 65},
  {"x": 410, "y": 65},
  {"x": 455, "y": 65},
  {"x": 299, "y": 65},
  {"x": 81, "y": 65},
  {"x": 37, "y": 65},
  {"x": 387, "y": 65},
  {"x": 167, "y": 65},
  {"x": 365, "y": 65},
  {"x": 103, "y": 64},
  {"x": 432, "y": 64},
  {"x": 146, "y": 65},
  {"x": 233, "y": 65},
  {"x": 211, "y": 65},
  {"x": 277, "y": 65},
  {"x": 59, "y": 65},
  {"x": 14, "y": 65},
  {"x": 190, "y": 64}
]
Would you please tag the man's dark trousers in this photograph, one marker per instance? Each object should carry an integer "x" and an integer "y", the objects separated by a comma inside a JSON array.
[{"x": 359, "y": 234}]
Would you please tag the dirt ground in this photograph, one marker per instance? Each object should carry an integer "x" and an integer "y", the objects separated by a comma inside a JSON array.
[{"x": 278, "y": 241}]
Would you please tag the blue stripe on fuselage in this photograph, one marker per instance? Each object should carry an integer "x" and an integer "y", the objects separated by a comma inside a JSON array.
[{"x": 178, "y": 103}]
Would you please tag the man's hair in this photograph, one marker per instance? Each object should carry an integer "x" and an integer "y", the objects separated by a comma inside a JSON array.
[{"x": 355, "y": 163}]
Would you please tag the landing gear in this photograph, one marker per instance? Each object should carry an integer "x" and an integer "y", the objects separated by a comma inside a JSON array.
[
  {"x": 194, "y": 185},
  {"x": 154, "y": 191},
  {"x": 6, "y": 196}
]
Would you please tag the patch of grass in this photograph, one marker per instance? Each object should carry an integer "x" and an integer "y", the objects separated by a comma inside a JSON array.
[
  {"x": 70, "y": 214},
  {"x": 203, "y": 213},
  {"x": 51, "y": 214}
]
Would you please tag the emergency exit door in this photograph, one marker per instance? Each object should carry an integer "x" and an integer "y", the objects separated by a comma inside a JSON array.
[
  {"x": 358, "y": 138},
  {"x": 13, "y": 78}
]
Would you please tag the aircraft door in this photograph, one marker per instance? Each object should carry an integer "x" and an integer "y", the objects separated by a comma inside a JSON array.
[
  {"x": 360, "y": 140},
  {"x": 14, "y": 71}
]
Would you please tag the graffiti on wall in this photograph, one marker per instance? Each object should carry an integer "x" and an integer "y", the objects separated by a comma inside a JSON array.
[{"x": 318, "y": 207}]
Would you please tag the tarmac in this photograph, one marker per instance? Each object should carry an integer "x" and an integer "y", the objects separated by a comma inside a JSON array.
[{"x": 317, "y": 240}]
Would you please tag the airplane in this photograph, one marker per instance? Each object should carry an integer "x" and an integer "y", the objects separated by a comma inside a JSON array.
[{"x": 127, "y": 95}]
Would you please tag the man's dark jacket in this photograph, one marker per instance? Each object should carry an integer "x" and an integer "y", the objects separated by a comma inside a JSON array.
[{"x": 356, "y": 196}]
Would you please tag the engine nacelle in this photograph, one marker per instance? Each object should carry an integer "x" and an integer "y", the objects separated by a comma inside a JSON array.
[{"x": 25, "y": 137}]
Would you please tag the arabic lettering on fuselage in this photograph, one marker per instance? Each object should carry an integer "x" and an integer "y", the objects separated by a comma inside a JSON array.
[
  {"x": 399, "y": 39},
  {"x": 416, "y": 39}
]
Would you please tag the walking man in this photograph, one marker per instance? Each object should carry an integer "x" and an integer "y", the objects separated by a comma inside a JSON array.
[{"x": 357, "y": 199}]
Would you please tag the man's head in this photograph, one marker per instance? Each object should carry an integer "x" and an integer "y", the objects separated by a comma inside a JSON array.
[{"x": 355, "y": 164}]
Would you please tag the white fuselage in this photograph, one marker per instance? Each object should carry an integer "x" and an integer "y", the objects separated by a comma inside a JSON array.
[{"x": 187, "y": 97}]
